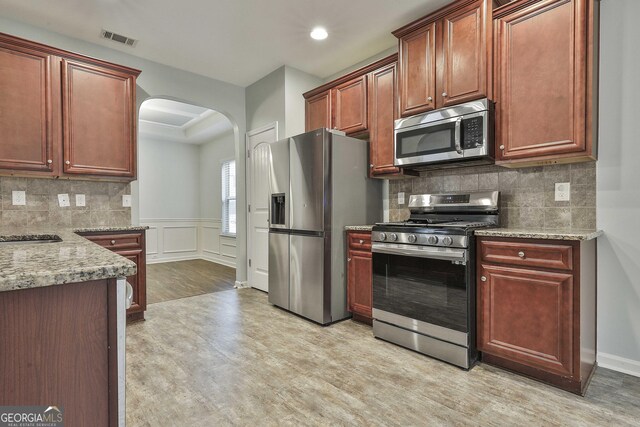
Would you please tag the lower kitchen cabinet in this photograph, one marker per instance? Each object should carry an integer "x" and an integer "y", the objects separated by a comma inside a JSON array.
[
  {"x": 359, "y": 275},
  {"x": 131, "y": 245},
  {"x": 537, "y": 308}
]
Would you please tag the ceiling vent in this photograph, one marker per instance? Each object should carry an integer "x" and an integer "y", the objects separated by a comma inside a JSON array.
[{"x": 110, "y": 35}]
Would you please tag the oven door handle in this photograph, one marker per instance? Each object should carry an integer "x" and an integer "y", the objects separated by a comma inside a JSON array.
[
  {"x": 457, "y": 135},
  {"x": 447, "y": 254}
]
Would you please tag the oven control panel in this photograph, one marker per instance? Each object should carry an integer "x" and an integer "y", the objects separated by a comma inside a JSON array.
[{"x": 421, "y": 239}]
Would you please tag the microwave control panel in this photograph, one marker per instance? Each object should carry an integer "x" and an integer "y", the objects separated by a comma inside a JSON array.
[{"x": 472, "y": 132}]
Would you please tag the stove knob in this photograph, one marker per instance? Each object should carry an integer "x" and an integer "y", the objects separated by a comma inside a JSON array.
[
  {"x": 382, "y": 237},
  {"x": 393, "y": 237},
  {"x": 432, "y": 240},
  {"x": 447, "y": 241},
  {"x": 411, "y": 238}
]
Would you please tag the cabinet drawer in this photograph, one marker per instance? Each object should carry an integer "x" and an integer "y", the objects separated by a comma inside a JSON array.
[
  {"x": 118, "y": 241},
  {"x": 360, "y": 241},
  {"x": 541, "y": 255}
]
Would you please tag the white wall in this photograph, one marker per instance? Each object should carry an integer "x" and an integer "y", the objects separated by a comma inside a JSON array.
[
  {"x": 296, "y": 83},
  {"x": 169, "y": 184},
  {"x": 265, "y": 101},
  {"x": 212, "y": 154},
  {"x": 618, "y": 196},
  {"x": 159, "y": 80}
]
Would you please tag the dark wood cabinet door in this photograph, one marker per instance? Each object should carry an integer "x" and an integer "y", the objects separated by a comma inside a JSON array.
[
  {"x": 137, "y": 281},
  {"x": 541, "y": 80},
  {"x": 318, "y": 111},
  {"x": 462, "y": 75},
  {"x": 27, "y": 92},
  {"x": 350, "y": 106},
  {"x": 418, "y": 71},
  {"x": 383, "y": 110},
  {"x": 98, "y": 120},
  {"x": 527, "y": 316},
  {"x": 360, "y": 283}
]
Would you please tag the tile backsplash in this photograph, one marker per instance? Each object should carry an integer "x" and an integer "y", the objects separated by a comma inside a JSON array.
[
  {"x": 103, "y": 203},
  {"x": 526, "y": 195}
]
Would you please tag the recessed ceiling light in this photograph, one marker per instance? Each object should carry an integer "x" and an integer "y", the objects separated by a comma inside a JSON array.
[{"x": 319, "y": 33}]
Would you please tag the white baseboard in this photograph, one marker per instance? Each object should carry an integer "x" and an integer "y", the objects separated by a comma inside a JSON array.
[
  {"x": 229, "y": 262},
  {"x": 240, "y": 285},
  {"x": 172, "y": 259},
  {"x": 620, "y": 364}
]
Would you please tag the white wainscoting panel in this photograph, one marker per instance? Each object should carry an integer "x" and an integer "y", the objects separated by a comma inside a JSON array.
[{"x": 171, "y": 239}]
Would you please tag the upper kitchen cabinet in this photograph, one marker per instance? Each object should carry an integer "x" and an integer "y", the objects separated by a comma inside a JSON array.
[
  {"x": 318, "y": 111},
  {"x": 63, "y": 114},
  {"x": 99, "y": 120},
  {"x": 350, "y": 105},
  {"x": 28, "y": 88},
  {"x": 546, "y": 81},
  {"x": 445, "y": 57}
]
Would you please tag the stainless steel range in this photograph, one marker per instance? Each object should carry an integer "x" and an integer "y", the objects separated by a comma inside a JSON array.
[{"x": 424, "y": 275}]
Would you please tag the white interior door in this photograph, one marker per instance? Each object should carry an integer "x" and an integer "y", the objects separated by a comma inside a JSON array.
[{"x": 258, "y": 244}]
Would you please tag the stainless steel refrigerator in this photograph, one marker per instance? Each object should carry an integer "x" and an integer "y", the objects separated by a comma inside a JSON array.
[{"x": 318, "y": 184}]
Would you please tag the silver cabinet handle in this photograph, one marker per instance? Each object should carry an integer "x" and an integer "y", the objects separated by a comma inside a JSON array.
[
  {"x": 113, "y": 242},
  {"x": 444, "y": 94},
  {"x": 49, "y": 161},
  {"x": 502, "y": 147},
  {"x": 430, "y": 99},
  {"x": 483, "y": 278},
  {"x": 67, "y": 162},
  {"x": 521, "y": 254}
]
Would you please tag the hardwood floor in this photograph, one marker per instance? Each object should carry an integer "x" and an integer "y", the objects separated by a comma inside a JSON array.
[
  {"x": 181, "y": 279},
  {"x": 230, "y": 358}
]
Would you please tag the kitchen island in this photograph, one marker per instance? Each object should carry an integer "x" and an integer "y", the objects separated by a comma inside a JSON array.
[{"x": 62, "y": 311}]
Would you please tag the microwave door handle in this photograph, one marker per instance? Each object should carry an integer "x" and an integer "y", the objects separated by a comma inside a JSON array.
[{"x": 457, "y": 135}]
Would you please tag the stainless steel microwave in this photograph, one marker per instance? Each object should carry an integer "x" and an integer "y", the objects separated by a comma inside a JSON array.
[{"x": 461, "y": 135}]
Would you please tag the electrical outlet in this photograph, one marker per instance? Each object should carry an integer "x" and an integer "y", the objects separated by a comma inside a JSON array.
[
  {"x": 401, "y": 198},
  {"x": 80, "y": 200},
  {"x": 126, "y": 201},
  {"x": 19, "y": 198},
  {"x": 563, "y": 191},
  {"x": 63, "y": 200}
]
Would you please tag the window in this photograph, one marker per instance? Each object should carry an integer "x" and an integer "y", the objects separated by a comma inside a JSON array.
[{"x": 229, "y": 197}]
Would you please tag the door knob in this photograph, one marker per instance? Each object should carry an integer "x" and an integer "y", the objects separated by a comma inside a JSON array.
[{"x": 483, "y": 278}]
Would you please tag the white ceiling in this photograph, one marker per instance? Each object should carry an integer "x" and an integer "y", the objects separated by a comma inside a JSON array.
[
  {"x": 237, "y": 41},
  {"x": 167, "y": 120}
]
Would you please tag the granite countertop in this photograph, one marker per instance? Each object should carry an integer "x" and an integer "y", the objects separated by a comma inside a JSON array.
[
  {"x": 111, "y": 228},
  {"x": 74, "y": 259},
  {"x": 523, "y": 233},
  {"x": 358, "y": 227}
]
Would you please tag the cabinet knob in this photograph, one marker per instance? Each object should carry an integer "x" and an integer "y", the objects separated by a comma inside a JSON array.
[
  {"x": 49, "y": 161},
  {"x": 335, "y": 127},
  {"x": 371, "y": 165},
  {"x": 521, "y": 254},
  {"x": 502, "y": 147},
  {"x": 361, "y": 242},
  {"x": 67, "y": 162},
  {"x": 483, "y": 278},
  {"x": 113, "y": 242},
  {"x": 348, "y": 259},
  {"x": 444, "y": 94},
  {"x": 430, "y": 99}
]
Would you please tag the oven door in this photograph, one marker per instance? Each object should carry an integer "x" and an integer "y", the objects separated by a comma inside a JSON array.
[{"x": 422, "y": 288}]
